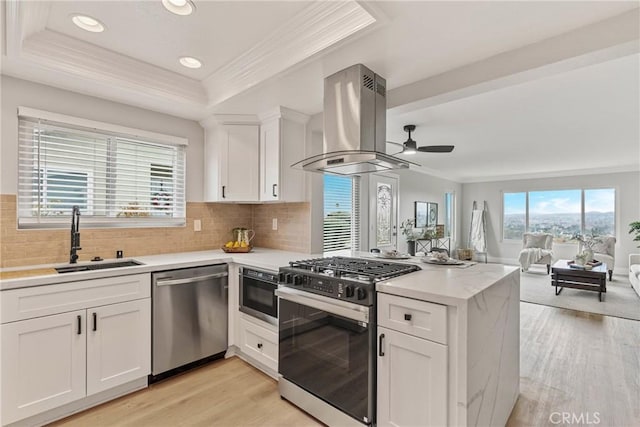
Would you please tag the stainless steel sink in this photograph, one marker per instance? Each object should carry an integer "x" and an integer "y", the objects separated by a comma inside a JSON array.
[{"x": 97, "y": 266}]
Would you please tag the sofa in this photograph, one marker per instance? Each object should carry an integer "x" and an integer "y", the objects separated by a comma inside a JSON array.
[{"x": 634, "y": 272}]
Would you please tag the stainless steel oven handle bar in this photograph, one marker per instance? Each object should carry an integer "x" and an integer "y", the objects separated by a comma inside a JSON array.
[
  {"x": 346, "y": 309},
  {"x": 169, "y": 282}
]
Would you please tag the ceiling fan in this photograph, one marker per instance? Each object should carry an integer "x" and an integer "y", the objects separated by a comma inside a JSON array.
[{"x": 411, "y": 147}]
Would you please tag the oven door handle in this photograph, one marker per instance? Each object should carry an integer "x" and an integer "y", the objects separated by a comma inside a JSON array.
[{"x": 349, "y": 310}]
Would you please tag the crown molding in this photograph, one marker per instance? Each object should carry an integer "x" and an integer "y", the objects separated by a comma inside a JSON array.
[
  {"x": 284, "y": 113},
  {"x": 216, "y": 120},
  {"x": 84, "y": 60},
  {"x": 23, "y": 19},
  {"x": 320, "y": 25},
  {"x": 554, "y": 174}
]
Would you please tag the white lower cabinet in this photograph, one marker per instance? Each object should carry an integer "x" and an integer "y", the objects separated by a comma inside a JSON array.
[
  {"x": 52, "y": 360},
  {"x": 259, "y": 342},
  {"x": 43, "y": 364},
  {"x": 412, "y": 371},
  {"x": 118, "y": 344}
]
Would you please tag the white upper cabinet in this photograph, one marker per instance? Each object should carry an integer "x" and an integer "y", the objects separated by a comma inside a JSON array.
[
  {"x": 231, "y": 159},
  {"x": 282, "y": 143}
]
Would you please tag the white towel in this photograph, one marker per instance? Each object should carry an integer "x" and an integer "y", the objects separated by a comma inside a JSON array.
[{"x": 477, "y": 239}]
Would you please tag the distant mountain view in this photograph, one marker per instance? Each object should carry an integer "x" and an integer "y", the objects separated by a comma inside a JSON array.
[{"x": 562, "y": 226}]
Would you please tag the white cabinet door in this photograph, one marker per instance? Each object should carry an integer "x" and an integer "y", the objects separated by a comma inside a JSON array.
[
  {"x": 412, "y": 380},
  {"x": 118, "y": 344},
  {"x": 239, "y": 163},
  {"x": 282, "y": 143},
  {"x": 270, "y": 188},
  {"x": 43, "y": 364},
  {"x": 259, "y": 343}
]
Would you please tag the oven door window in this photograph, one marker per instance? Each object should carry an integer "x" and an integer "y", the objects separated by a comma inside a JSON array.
[
  {"x": 259, "y": 296},
  {"x": 327, "y": 355}
]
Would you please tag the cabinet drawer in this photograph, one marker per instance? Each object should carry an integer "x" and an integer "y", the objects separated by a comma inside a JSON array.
[
  {"x": 27, "y": 303},
  {"x": 259, "y": 343},
  {"x": 419, "y": 318}
]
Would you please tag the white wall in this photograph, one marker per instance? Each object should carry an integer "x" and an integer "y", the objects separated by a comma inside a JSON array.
[
  {"x": 627, "y": 187},
  {"x": 17, "y": 92},
  {"x": 416, "y": 186}
]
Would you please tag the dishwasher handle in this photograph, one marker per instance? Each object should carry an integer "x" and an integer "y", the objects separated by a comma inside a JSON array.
[{"x": 170, "y": 282}]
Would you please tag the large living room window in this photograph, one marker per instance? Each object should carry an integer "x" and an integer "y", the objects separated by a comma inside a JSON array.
[
  {"x": 341, "y": 213},
  {"x": 563, "y": 213},
  {"x": 119, "y": 177}
]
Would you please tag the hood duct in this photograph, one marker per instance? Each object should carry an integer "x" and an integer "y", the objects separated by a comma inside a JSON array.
[{"x": 355, "y": 109}]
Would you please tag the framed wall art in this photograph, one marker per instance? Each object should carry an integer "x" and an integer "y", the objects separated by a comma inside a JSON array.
[
  {"x": 432, "y": 214},
  {"x": 421, "y": 214}
]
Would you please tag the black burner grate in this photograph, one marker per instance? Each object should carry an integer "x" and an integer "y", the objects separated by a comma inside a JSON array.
[{"x": 341, "y": 266}]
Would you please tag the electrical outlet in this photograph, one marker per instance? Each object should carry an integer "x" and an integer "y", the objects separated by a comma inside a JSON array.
[
  {"x": 274, "y": 224},
  {"x": 197, "y": 225}
]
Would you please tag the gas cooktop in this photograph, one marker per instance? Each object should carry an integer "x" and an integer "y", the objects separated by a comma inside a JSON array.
[
  {"x": 366, "y": 270},
  {"x": 342, "y": 277}
]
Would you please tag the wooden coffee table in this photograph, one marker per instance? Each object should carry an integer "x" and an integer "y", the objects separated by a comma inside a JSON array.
[{"x": 562, "y": 276}]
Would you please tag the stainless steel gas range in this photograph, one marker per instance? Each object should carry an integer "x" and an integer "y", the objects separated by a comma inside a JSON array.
[{"x": 327, "y": 336}]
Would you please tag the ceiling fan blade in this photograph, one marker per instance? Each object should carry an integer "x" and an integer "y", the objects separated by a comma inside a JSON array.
[
  {"x": 394, "y": 143},
  {"x": 436, "y": 148}
]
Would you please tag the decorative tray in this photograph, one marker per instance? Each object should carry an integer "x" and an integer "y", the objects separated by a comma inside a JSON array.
[
  {"x": 449, "y": 261},
  {"x": 237, "y": 250}
]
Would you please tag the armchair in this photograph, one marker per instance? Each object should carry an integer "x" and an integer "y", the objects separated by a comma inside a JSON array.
[
  {"x": 604, "y": 250},
  {"x": 537, "y": 248}
]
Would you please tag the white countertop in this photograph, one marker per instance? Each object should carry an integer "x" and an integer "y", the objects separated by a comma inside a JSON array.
[
  {"x": 444, "y": 284},
  {"x": 450, "y": 285},
  {"x": 269, "y": 259}
]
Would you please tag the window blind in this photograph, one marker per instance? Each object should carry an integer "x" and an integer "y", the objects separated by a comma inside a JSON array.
[
  {"x": 117, "y": 180},
  {"x": 341, "y": 228}
]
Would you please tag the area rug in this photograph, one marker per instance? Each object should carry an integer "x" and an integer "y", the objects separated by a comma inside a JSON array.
[{"x": 620, "y": 299}]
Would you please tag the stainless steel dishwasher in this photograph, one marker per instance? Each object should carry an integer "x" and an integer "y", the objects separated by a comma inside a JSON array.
[{"x": 189, "y": 318}]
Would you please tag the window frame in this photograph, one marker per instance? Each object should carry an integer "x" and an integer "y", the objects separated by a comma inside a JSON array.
[
  {"x": 582, "y": 210},
  {"x": 111, "y": 133}
]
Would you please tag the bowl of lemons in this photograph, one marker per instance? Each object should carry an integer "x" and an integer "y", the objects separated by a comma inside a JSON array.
[{"x": 237, "y": 247}]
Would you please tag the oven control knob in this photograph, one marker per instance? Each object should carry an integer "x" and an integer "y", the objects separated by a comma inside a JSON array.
[
  {"x": 361, "y": 293},
  {"x": 297, "y": 280},
  {"x": 348, "y": 291}
]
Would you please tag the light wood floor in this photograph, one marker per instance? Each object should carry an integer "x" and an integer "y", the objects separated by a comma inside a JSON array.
[{"x": 570, "y": 362}]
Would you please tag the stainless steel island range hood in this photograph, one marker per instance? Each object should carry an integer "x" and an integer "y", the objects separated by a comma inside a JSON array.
[{"x": 355, "y": 109}]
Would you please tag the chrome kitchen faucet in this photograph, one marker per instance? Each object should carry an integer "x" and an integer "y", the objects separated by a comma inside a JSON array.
[{"x": 75, "y": 235}]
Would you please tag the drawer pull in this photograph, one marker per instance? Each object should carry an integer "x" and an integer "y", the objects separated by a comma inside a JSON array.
[
  {"x": 259, "y": 345},
  {"x": 407, "y": 317},
  {"x": 95, "y": 322},
  {"x": 79, "y": 325},
  {"x": 380, "y": 343}
]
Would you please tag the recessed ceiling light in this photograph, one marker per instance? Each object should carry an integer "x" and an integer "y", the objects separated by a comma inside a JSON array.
[
  {"x": 88, "y": 23},
  {"x": 190, "y": 62},
  {"x": 179, "y": 7}
]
